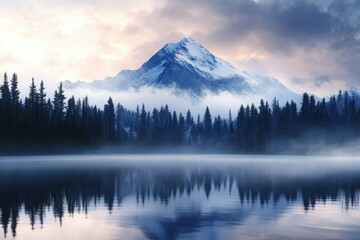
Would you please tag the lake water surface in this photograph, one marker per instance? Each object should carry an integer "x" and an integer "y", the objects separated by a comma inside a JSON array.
[{"x": 179, "y": 197}]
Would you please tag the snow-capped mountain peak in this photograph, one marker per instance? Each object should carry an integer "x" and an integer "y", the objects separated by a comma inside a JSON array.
[
  {"x": 187, "y": 67},
  {"x": 171, "y": 47},
  {"x": 189, "y": 52}
]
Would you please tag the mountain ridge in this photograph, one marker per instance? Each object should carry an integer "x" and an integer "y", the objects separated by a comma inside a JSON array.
[{"x": 187, "y": 67}]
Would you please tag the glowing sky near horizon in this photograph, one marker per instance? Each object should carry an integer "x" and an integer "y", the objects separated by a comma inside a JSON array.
[{"x": 309, "y": 46}]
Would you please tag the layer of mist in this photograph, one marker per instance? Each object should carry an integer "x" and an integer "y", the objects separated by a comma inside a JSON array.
[{"x": 220, "y": 103}]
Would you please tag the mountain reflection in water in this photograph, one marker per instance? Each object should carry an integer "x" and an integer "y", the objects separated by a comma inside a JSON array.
[{"x": 174, "y": 200}]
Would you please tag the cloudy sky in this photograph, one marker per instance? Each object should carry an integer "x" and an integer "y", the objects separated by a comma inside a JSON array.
[{"x": 308, "y": 45}]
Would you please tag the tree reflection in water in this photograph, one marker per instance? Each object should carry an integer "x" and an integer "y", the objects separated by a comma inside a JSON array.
[{"x": 74, "y": 189}]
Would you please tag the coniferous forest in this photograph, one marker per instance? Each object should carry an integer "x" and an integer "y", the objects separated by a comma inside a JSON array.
[{"x": 43, "y": 123}]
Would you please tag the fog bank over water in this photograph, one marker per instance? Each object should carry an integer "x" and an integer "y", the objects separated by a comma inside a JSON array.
[
  {"x": 318, "y": 146},
  {"x": 295, "y": 165}
]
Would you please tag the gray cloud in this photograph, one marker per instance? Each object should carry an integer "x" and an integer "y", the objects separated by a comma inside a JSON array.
[
  {"x": 321, "y": 80},
  {"x": 329, "y": 30},
  {"x": 283, "y": 23},
  {"x": 318, "y": 81}
]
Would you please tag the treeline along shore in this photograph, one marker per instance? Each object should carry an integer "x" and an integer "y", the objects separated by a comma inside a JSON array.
[{"x": 58, "y": 123}]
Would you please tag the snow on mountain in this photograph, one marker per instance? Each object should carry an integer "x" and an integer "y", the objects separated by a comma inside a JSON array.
[
  {"x": 189, "y": 52},
  {"x": 353, "y": 91},
  {"x": 187, "y": 67}
]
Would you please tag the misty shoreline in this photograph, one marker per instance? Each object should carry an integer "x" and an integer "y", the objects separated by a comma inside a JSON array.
[{"x": 293, "y": 148}]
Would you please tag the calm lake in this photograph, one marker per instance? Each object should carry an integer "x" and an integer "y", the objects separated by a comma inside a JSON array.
[{"x": 179, "y": 197}]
